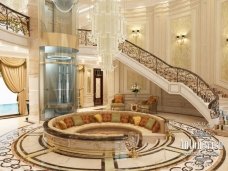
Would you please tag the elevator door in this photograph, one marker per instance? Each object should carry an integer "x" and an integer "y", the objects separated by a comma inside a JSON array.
[{"x": 98, "y": 87}]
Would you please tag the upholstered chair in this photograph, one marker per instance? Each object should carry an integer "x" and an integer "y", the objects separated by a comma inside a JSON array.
[
  {"x": 118, "y": 102},
  {"x": 149, "y": 105}
]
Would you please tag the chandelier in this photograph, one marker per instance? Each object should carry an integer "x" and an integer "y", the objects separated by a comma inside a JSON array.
[
  {"x": 107, "y": 30},
  {"x": 64, "y": 5}
]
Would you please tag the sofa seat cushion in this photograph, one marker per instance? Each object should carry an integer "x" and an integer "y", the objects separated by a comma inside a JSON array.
[
  {"x": 145, "y": 107},
  {"x": 118, "y": 104},
  {"x": 77, "y": 129}
]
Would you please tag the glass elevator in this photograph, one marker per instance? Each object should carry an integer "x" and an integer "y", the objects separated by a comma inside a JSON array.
[{"x": 57, "y": 81}]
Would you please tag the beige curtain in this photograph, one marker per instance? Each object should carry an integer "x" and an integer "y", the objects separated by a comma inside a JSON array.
[{"x": 14, "y": 74}]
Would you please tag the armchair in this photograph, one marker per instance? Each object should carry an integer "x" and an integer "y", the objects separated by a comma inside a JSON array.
[
  {"x": 150, "y": 105},
  {"x": 118, "y": 102}
]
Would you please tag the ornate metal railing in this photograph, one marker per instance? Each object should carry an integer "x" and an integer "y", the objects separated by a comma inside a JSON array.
[
  {"x": 14, "y": 21},
  {"x": 172, "y": 74},
  {"x": 83, "y": 37}
]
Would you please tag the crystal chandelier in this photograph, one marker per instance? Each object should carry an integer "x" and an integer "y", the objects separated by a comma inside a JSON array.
[
  {"x": 64, "y": 5},
  {"x": 107, "y": 30}
]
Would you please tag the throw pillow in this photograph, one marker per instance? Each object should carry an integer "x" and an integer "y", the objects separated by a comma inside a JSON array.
[
  {"x": 61, "y": 124},
  {"x": 86, "y": 119},
  {"x": 136, "y": 119},
  {"x": 69, "y": 122},
  {"x": 106, "y": 117},
  {"x": 115, "y": 117},
  {"x": 77, "y": 120},
  {"x": 98, "y": 117},
  {"x": 56, "y": 125},
  {"x": 156, "y": 127},
  {"x": 118, "y": 99},
  {"x": 151, "y": 100},
  {"x": 143, "y": 121},
  {"x": 150, "y": 123},
  {"x": 124, "y": 118}
]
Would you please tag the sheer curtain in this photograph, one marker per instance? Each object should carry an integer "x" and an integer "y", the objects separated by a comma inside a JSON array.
[{"x": 14, "y": 74}]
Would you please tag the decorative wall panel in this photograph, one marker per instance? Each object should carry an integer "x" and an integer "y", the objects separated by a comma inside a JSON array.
[
  {"x": 181, "y": 49},
  {"x": 224, "y": 43},
  {"x": 131, "y": 77}
]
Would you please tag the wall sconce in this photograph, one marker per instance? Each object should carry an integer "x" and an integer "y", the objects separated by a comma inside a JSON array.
[
  {"x": 135, "y": 32},
  {"x": 227, "y": 40},
  {"x": 180, "y": 39}
]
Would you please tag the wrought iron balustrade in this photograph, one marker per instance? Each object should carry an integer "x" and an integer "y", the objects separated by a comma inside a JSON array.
[
  {"x": 172, "y": 74},
  {"x": 84, "y": 37},
  {"x": 14, "y": 21}
]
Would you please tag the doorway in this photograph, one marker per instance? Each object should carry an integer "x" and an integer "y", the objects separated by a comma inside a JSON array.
[{"x": 98, "y": 87}]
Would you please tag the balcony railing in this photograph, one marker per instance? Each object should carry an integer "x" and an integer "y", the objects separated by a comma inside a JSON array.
[
  {"x": 170, "y": 73},
  {"x": 83, "y": 37},
  {"x": 14, "y": 21}
]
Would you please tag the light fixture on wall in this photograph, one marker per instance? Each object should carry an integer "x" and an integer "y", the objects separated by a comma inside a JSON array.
[
  {"x": 227, "y": 40},
  {"x": 180, "y": 39},
  {"x": 135, "y": 32}
]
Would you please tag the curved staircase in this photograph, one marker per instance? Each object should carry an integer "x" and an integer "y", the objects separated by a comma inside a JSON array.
[{"x": 172, "y": 79}]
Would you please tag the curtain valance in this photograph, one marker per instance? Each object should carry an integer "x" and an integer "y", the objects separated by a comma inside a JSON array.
[{"x": 12, "y": 62}]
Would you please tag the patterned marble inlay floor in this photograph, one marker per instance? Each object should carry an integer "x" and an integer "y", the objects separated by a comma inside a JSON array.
[{"x": 24, "y": 150}]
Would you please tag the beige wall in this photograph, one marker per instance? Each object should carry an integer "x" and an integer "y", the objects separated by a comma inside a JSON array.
[
  {"x": 224, "y": 43},
  {"x": 204, "y": 51}
]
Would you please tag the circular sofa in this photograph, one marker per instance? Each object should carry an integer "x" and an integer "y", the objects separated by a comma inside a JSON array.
[{"x": 101, "y": 130}]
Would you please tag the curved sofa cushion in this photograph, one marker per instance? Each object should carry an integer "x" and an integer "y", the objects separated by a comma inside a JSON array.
[
  {"x": 60, "y": 124},
  {"x": 156, "y": 127},
  {"x": 150, "y": 123},
  {"x": 106, "y": 117},
  {"x": 136, "y": 120},
  {"x": 124, "y": 118},
  {"x": 77, "y": 120},
  {"x": 98, "y": 117},
  {"x": 144, "y": 120},
  {"x": 115, "y": 117},
  {"x": 69, "y": 122}
]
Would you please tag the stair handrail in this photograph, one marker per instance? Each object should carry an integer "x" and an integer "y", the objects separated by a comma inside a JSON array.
[
  {"x": 208, "y": 94},
  {"x": 14, "y": 21}
]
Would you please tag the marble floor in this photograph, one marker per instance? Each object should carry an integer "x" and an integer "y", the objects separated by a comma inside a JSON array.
[{"x": 22, "y": 148}]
